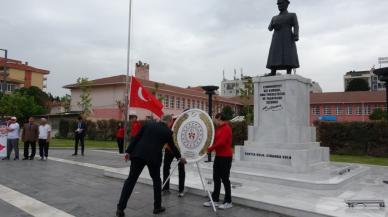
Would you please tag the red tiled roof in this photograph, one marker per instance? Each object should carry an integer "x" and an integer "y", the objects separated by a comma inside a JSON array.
[
  {"x": 120, "y": 80},
  {"x": 347, "y": 97},
  {"x": 17, "y": 64}
]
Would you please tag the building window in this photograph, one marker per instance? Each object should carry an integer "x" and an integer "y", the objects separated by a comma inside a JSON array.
[
  {"x": 178, "y": 103},
  {"x": 326, "y": 110},
  {"x": 350, "y": 110},
  {"x": 183, "y": 103},
  {"x": 358, "y": 110},
  {"x": 316, "y": 110},
  {"x": 166, "y": 101},
  {"x": 188, "y": 103},
  {"x": 172, "y": 101},
  {"x": 367, "y": 109},
  {"x": 202, "y": 105},
  {"x": 339, "y": 110},
  {"x": 197, "y": 104}
]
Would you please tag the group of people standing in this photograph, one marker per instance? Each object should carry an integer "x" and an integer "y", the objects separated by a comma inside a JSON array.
[
  {"x": 146, "y": 149},
  {"x": 31, "y": 134}
]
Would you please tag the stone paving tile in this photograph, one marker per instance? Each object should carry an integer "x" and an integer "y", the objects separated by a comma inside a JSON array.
[{"x": 84, "y": 192}]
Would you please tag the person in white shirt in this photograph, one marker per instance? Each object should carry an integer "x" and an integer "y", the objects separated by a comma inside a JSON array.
[
  {"x": 44, "y": 138},
  {"x": 13, "y": 138}
]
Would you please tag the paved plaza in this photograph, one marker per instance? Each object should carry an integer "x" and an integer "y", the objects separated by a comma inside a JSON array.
[{"x": 66, "y": 186}]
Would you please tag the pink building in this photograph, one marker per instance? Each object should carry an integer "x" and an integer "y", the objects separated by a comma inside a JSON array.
[
  {"x": 346, "y": 106},
  {"x": 108, "y": 97}
]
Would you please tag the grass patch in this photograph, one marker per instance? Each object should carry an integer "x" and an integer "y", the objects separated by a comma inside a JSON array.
[
  {"x": 381, "y": 161},
  {"x": 69, "y": 143}
]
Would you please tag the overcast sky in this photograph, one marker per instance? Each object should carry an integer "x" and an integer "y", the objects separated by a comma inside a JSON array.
[{"x": 190, "y": 42}]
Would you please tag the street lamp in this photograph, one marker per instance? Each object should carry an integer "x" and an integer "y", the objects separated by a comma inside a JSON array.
[
  {"x": 382, "y": 73},
  {"x": 4, "y": 87},
  {"x": 210, "y": 91}
]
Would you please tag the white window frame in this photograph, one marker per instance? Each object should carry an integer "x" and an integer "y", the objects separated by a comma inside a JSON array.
[
  {"x": 326, "y": 110},
  {"x": 349, "y": 110}
]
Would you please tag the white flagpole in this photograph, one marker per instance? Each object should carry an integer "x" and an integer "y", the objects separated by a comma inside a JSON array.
[{"x": 127, "y": 91}]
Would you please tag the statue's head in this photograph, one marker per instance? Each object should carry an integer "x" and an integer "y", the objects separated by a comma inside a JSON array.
[{"x": 283, "y": 5}]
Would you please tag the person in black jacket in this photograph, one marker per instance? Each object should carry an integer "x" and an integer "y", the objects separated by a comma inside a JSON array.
[
  {"x": 79, "y": 136},
  {"x": 146, "y": 150}
]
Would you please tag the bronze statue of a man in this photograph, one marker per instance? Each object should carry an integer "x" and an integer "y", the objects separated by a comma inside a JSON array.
[{"x": 283, "y": 54}]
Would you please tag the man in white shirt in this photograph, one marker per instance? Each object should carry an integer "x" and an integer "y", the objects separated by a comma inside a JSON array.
[
  {"x": 44, "y": 138},
  {"x": 13, "y": 138}
]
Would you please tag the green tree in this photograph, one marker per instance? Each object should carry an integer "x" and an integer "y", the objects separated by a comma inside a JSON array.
[
  {"x": 246, "y": 94},
  {"x": 20, "y": 106},
  {"x": 357, "y": 84},
  {"x": 228, "y": 112},
  {"x": 155, "y": 90},
  {"x": 86, "y": 99},
  {"x": 378, "y": 115},
  {"x": 39, "y": 96},
  {"x": 66, "y": 100}
]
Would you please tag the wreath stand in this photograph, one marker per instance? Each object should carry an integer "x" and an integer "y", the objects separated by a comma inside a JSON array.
[{"x": 202, "y": 181}]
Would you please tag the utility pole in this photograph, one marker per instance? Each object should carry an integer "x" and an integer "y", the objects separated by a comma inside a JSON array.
[{"x": 126, "y": 95}]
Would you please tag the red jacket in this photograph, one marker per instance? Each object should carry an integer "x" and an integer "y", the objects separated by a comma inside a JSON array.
[
  {"x": 222, "y": 141},
  {"x": 120, "y": 132},
  {"x": 135, "y": 128}
]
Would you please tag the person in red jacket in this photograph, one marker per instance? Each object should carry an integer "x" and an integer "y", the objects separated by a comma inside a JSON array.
[
  {"x": 120, "y": 137},
  {"x": 222, "y": 145},
  {"x": 135, "y": 126}
]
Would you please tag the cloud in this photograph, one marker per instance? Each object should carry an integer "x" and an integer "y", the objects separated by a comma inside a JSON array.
[{"x": 190, "y": 42}]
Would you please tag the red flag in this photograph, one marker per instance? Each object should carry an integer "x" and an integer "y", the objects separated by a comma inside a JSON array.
[{"x": 140, "y": 97}]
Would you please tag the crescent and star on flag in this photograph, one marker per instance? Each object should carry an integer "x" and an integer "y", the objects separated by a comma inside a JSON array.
[
  {"x": 140, "y": 97},
  {"x": 140, "y": 94}
]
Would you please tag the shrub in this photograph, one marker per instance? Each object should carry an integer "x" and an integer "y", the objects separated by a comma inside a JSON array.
[
  {"x": 91, "y": 130},
  {"x": 64, "y": 128},
  {"x": 240, "y": 132},
  {"x": 354, "y": 138}
]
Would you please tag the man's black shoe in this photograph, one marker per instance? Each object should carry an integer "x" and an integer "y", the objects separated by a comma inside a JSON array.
[
  {"x": 74, "y": 154},
  {"x": 25, "y": 158},
  {"x": 31, "y": 158},
  {"x": 159, "y": 210},
  {"x": 120, "y": 213},
  {"x": 166, "y": 191}
]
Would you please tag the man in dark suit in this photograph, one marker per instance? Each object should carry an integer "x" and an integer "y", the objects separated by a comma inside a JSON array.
[
  {"x": 79, "y": 135},
  {"x": 30, "y": 136},
  {"x": 146, "y": 150}
]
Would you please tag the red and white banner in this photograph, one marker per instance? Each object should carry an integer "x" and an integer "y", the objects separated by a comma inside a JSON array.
[{"x": 3, "y": 145}]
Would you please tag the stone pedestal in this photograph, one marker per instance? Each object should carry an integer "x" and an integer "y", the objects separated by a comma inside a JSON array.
[{"x": 282, "y": 138}]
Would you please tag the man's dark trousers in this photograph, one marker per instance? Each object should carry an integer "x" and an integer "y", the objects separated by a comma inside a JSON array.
[
  {"x": 79, "y": 138},
  {"x": 43, "y": 148},
  {"x": 27, "y": 147},
  {"x": 221, "y": 173},
  {"x": 137, "y": 166},
  {"x": 168, "y": 158}
]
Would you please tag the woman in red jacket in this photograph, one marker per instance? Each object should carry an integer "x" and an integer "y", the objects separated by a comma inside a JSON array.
[
  {"x": 120, "y": 137},
  {"x": 222, "y": 145}
]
